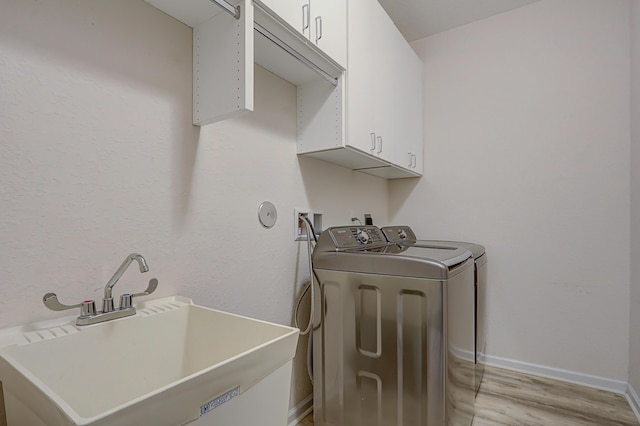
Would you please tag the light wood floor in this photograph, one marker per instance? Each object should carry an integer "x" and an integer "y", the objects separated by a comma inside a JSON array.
[{"x": 517, "y": 399}]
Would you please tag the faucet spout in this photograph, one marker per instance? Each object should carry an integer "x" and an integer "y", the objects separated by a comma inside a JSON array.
[{"x": 142, "y": 263}]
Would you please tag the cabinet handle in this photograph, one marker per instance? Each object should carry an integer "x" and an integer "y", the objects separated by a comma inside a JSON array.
[
  {"x": 410, "y": 160},
  {"x": 415, "y": 161},
  {"x": 318, "y": 28},
  {"x": 305, "y": 17},
  {"x": 380, "y": 146},
  {"x": 373, "y": 142}
]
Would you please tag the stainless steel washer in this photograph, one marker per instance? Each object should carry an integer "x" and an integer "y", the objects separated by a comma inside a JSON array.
[
  {"x": 404, "y": 235},
  {"x": 394, "y": 330}
]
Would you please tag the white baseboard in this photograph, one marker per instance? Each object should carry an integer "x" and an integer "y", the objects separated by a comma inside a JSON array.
[
  {"x": 300, "y": 411},
  {"x": 611, "y": 385},
  {"x": 634, "y": 400}
]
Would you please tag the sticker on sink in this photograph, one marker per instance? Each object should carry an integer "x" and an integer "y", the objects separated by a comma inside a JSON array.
[{"x": 219, "y": 400}]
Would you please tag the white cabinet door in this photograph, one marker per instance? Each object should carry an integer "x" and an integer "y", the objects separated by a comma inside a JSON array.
[
  {"x": 407, "y": 107},
  {"x": 365, "y": 73},
  {"x": 385, "y": 69},
  {"x": 413, "y": 128},
  {"x": 328, "y": 28}
]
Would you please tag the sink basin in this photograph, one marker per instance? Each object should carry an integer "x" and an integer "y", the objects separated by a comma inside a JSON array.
[{"x": 170, "y": 364}]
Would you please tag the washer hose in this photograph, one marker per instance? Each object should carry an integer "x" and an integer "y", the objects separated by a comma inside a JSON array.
[{"x": 310, "y": 231}]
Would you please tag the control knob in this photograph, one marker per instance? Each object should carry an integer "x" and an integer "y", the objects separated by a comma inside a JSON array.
[
  {"x": 402, "y": 234},
  {"x": 363, "y": 237}
]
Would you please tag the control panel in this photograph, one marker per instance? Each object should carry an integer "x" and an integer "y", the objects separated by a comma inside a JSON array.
[
  {"x": 397, "y": 234},
  {"x": 346, "y": 237}
]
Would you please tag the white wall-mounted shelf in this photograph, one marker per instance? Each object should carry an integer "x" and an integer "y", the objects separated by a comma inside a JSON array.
[{"x": 368, "y": 118}]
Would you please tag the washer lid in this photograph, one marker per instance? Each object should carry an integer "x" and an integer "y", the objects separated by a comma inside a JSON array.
[
  {"x": 380, "y": 262},
  {"x": 344, "y": 253}
]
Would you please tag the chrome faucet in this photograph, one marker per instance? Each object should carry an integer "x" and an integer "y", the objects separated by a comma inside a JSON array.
[
  {"x": 107, "y": 301},
  {"x": 88, "y": 314}
]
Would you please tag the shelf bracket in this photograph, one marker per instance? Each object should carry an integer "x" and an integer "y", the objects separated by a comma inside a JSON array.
[{"x": 230, "y": 9}]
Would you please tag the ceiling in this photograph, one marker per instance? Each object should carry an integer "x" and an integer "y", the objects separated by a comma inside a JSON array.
[{"x": 420, "y": 18}]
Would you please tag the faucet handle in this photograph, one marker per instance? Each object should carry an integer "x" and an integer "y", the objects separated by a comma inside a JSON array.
[
  {"x": 126, "y": 299},
  {"x": 87, "y": 308},
  {"x": 50, "y": 300}
]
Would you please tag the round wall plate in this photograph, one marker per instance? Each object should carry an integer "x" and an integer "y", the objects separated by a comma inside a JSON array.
[{"x": 267, "y": 214}]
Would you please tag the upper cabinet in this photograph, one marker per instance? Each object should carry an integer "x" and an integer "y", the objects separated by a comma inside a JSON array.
[
  {"x": 383, "y": 101},
  {"x": 359, "y": 84}
]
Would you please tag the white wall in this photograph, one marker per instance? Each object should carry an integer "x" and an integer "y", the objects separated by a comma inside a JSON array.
[
  {"x": 634, "y": 336},
  {"x": 98, "y": 159},
  {"x": 527, "y": 152}
]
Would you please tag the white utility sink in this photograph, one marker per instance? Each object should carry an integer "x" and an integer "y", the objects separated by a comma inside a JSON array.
[{"x": 172, "y": 363}]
